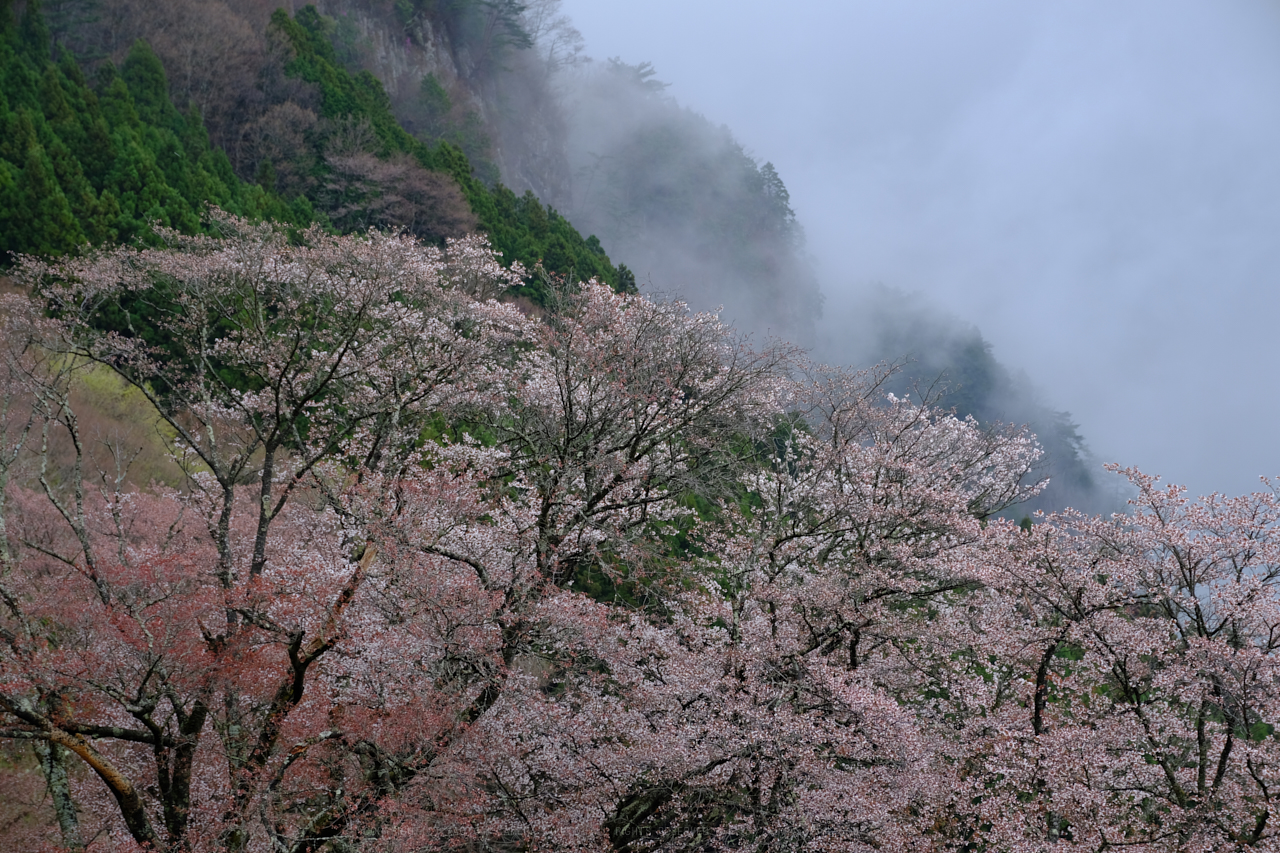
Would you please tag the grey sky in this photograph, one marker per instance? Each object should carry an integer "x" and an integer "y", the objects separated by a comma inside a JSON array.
[{"x": 1096, "y": 185}]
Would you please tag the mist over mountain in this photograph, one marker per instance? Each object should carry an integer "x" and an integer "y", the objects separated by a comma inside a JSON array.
[
  {"x": 355, "y": 499},
  {"x": 940, "y": 358},
  {"x": 691, "y": 212},
  {"x": 1094, "y": 185},
  {"x": 682, "y": 203}
]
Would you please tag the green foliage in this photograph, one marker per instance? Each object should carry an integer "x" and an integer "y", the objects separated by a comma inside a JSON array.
[
  {"x": 435, "y": 118},
  {"x": 143, "y": 74},
  {"x": 341, "y": 93},
  {"x": 347, "y": 41},
  {"x": 125, "y": 408},
  {"x": 67, "y": 16},
  {"x": 626, "y": 278},
  {"x": 485, "y": 28},
  {"x": 434, "y": 97},
  {"x": 84, "y": 164},
  {"x": 34, "y": 40},
  {"x": 89, "y": 164}
]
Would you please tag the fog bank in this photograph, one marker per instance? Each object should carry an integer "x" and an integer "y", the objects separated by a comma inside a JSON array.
[{"x": 1097, "y": 188}]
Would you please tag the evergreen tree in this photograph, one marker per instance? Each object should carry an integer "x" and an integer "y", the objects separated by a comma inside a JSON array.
[
  {"x": 144, "y": 74},
  {"x": 81, "y": 165},
  {"x": 46, "y": 223},
  {"x": 33, "y": 37}
]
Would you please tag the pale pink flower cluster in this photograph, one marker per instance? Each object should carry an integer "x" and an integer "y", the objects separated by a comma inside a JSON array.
[{"x": 445, "y": 576}]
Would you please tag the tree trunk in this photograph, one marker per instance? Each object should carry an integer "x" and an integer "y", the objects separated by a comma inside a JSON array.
[{"x": 53, "y": 762}]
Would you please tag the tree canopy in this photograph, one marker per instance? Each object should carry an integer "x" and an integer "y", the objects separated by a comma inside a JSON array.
[{"x": 440, "y": 575}]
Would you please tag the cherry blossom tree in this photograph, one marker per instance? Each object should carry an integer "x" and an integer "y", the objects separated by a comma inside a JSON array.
[
  {"x": 443, "y": 576},
  {"x": 611, "y": 424},
  {"x": 1131, "y": 677},
  {"x": 238, "y": 662},
  {"x": 154, "y": 622},
  {"x": 758, "y": 699},
  {"x": 782, "y": 677}
]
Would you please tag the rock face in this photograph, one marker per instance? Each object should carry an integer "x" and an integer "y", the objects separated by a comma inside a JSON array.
[
  {"x": 457, "y": 78},
  {"x": 400, "y": 54}
]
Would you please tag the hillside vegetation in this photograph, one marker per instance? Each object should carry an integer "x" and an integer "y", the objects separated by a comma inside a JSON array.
[
  {"x": 94, "y": 164},
  {"x": 97, "y": 164},
  {"x": 678, "y": 197}
]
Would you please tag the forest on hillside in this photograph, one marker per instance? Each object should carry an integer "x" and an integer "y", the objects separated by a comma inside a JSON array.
[
  {"x": 272, "y": 126},
  {"x": 352, "y": 500}
]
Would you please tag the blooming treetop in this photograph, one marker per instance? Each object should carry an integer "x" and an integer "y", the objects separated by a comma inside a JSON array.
[{"x": 444, "y": 576}]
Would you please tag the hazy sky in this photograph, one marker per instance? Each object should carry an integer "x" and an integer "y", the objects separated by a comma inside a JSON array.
[{"x": 1095, "y": 185}]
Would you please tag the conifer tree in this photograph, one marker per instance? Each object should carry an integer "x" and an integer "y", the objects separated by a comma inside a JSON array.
[{"x": 47, "y": 225}]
